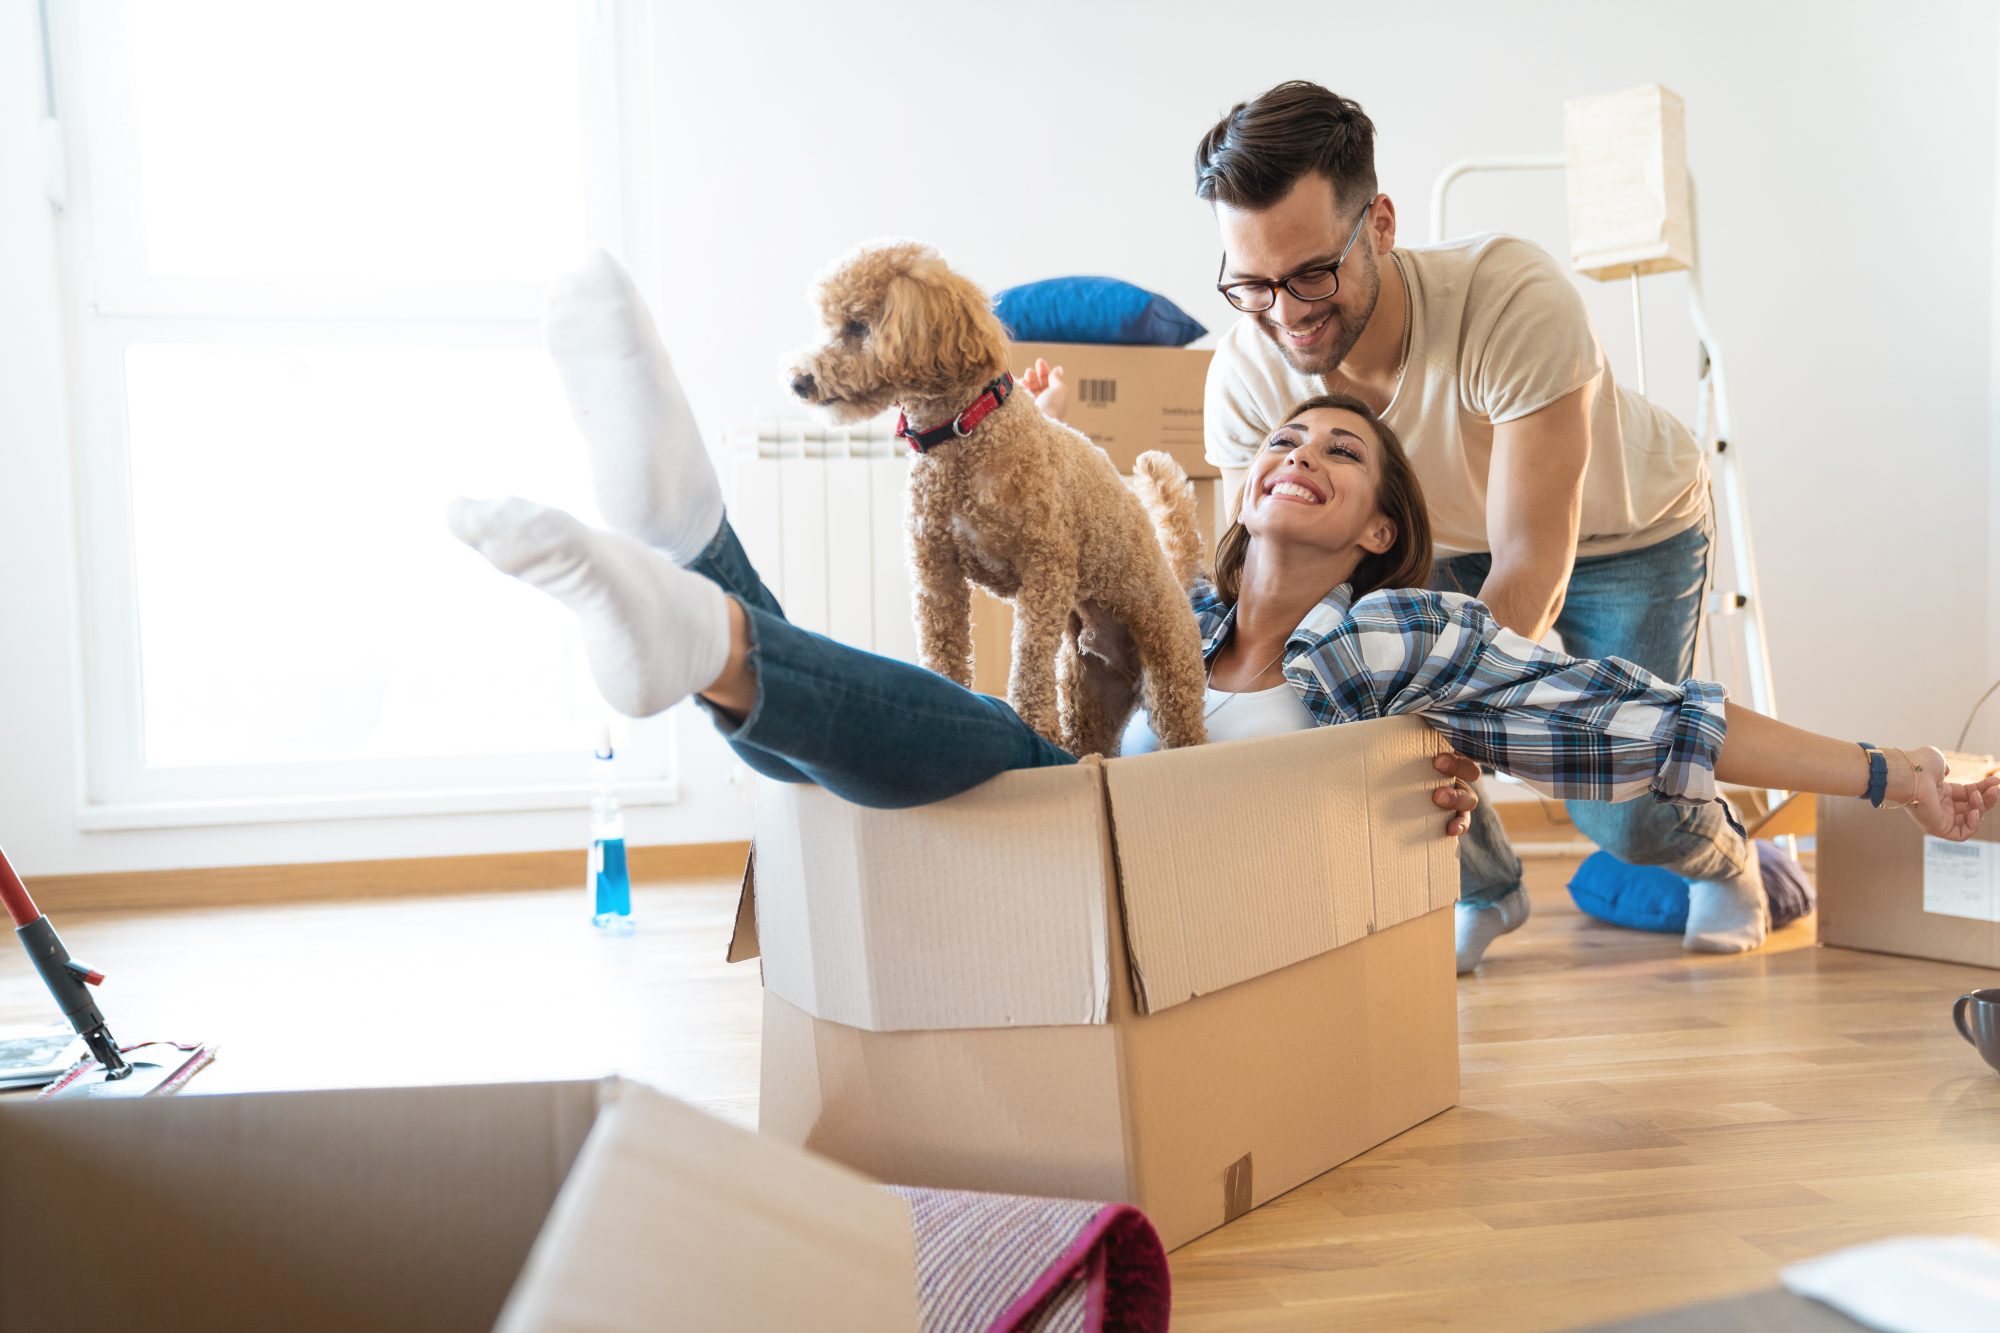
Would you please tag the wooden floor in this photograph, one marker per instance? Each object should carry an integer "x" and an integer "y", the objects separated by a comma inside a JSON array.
[{"x": 1639, "y": 1128}]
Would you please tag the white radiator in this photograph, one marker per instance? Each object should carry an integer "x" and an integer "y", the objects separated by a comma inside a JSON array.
[{"x": 820, "y": 510}]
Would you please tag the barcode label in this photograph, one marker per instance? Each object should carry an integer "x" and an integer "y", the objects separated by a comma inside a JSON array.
[
  {"x": 1962, "y": 879},
  {"x": 1097, "y": 392}
]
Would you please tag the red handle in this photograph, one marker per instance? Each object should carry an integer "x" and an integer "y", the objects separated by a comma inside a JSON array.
[{"x": 15, "y": 894}]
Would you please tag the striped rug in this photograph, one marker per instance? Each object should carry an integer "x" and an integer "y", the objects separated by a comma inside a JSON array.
[{"x": 1001, "y": 1263}]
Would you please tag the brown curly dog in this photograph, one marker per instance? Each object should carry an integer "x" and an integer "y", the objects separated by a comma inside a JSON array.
[{"x": 1018, "y": 504}]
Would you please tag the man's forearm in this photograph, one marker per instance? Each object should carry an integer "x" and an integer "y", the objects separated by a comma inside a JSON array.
[
  {"x": 1534, "y": 502},
  {"x": 1526, "y": 597}
]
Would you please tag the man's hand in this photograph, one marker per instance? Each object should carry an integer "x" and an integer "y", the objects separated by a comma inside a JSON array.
[
  {"x": 1051, "y": 391},
  {"x": 1457, "y": 795},
  {"x": 1534, "y": 497}
]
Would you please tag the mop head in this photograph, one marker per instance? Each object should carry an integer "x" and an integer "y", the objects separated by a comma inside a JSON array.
[{"x": 158, "y": 1068}]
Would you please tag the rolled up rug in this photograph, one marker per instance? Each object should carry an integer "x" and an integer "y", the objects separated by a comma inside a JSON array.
[{"x": 1002, "y": 1263}]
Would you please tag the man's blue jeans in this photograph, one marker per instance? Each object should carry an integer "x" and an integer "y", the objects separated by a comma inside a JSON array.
[
  {"x": 869, "y": 729},
  {"x": 1643, "y": 606}
]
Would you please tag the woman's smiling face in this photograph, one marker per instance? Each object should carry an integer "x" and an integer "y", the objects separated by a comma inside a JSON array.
[{"x": 1314, "y": 482}]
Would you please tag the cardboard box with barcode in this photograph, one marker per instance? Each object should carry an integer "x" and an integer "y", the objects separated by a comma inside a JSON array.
[
  {"x": 602, "y": 1205},
  {"x": 1887, "y": 887},
  {"x": 1131, "y": 399},
  {"x": 1189, "y": 980}
]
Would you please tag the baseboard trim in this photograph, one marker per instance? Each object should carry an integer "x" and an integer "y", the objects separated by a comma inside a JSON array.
[{"x": 430, "y": 876}]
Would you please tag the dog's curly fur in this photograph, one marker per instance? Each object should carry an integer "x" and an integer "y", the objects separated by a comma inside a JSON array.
[{"x": 1022, "y": 506}]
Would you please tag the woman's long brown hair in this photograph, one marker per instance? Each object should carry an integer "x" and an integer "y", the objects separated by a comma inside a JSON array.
[{"x": 1407, "y": 562}]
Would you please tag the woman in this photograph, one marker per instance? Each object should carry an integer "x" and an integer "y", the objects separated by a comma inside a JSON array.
[{"x": 1315, "y": 617}]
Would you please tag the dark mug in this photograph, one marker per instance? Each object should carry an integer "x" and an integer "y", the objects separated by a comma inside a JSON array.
[{"x": 1983, "y": 1031}]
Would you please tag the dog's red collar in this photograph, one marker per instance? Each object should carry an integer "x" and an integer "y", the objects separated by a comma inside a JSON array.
[{"x": 960, "y": 426}]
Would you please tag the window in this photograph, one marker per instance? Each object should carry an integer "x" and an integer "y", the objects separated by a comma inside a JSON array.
[{"x": 307, "y": 247}]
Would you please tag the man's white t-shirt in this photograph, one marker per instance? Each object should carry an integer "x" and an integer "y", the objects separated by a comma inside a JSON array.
[{"x": 1496, "y": 333}]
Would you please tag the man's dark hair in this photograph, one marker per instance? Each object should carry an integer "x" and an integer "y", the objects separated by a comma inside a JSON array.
[{"x": 1257, "y": 152}]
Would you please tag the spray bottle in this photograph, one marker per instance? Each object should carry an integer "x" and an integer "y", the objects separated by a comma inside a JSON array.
[{"x": 610, "y": 882}]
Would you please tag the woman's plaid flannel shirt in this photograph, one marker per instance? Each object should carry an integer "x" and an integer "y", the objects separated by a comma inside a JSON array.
[{"x": 1568, "y": 727}]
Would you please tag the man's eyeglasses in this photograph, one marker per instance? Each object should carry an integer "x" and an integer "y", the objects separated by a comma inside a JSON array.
[{"x": 1317, "y": 283}]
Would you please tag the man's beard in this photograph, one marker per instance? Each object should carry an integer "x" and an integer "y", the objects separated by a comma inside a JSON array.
[{"x": 1348, "y": 323}]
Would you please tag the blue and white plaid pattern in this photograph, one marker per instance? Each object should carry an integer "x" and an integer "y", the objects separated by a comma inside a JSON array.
[{"x": 1568, "y": 727}]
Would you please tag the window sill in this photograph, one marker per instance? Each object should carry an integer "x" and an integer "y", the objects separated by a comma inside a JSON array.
[{"x": 364, "y": 805}]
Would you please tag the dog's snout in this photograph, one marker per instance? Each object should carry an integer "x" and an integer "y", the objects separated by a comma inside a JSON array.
[{"x": 803, "y": 386}]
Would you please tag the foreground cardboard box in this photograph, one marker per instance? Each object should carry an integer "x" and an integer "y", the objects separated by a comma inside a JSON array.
[
  {"x": 1131, "y": 399},
  {"x": 993, "y": 619},
  {"x": 1189, "y": 981},
  {"x": 1886, "y": 887},
  {"x": 599, "y": 1205}
]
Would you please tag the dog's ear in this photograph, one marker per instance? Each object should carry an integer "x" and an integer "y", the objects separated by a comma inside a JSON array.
[{"x": 937, "y": 332}]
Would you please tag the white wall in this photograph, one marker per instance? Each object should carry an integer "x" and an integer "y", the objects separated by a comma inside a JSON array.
[
  {"x": 1986, "y": 735},
  {"x": 1847, "y": 164}
]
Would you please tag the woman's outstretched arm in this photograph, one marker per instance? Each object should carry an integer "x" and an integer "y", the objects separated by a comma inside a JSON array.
[
  {"x": 1594, "y": 729},
  {"x": 1760, "y": 751}
]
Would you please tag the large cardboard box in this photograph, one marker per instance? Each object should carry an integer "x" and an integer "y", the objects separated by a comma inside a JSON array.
[
  {"x": 1189, "y": 980},
  {"x": 1131, "y": 399},
  {"x": 599, "y": 1205},
  {"x": 1886, "y": 887}
]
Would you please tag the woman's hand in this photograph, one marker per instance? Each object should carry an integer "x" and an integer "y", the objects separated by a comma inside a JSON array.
[
  {"x": 1456, "y": 795},
  {"x": 1050, "y": 389},
  {"x": 1942, "y": 809}
]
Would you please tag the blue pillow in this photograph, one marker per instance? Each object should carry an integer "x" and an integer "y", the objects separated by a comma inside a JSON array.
[
  {"x": 1650, "y": 898},
  {"x": 1093, "y": 310}
]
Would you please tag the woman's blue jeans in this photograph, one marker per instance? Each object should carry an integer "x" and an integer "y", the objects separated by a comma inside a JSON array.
[
  {"x": 1643, "y": 606},
  {"x": 869, "y": 729}
]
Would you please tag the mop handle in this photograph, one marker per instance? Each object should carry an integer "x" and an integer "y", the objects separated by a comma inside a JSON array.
[
  {"x": 15, "y": 894},
  {"x": 69, "y": 981}
]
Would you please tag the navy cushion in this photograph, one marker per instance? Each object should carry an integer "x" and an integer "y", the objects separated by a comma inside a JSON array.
[
  {"x": 1650, "y": 898},
  {"x": 1093, "y": 310}
]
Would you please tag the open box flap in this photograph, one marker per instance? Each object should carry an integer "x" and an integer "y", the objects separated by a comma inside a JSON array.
[
  {"x": 743, "y": 939},
  {"x": 1235, "y": 860},
  {"x": 670, "y": 1216},
  {"x": 889, "y": 919}
]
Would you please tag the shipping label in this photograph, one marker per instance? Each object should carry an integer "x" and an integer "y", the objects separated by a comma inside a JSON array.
[{"x": 1962, "y": 879}]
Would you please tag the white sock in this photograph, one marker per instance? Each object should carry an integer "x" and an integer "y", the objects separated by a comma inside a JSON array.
[
  {"x": 1479, "y": 924},
  {"x": 652, "y": 632},
  {"x": 654, "y": 480},
  {"x": 1727, "y": 915}
]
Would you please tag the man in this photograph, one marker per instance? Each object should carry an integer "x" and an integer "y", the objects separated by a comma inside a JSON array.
[{"x": 1558, "y": 499}]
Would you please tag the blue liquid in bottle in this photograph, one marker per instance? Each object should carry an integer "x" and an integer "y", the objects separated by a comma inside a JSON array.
[
  {"x": 610, "y": 884},
  {"x": 610, "y": 881}
]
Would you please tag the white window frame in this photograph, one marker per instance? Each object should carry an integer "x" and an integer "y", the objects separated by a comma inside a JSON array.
[{"x": 111, "y": 303}]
